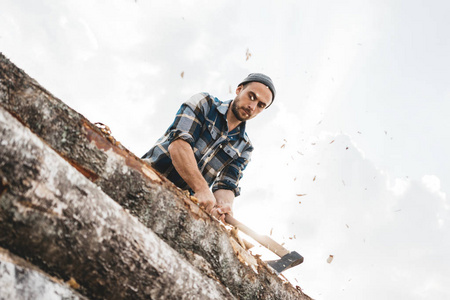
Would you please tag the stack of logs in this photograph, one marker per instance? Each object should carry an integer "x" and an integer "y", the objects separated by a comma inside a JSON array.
[{"x": 81, "y": 217}]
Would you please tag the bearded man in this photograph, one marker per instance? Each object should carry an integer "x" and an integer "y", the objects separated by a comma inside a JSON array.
[{"x": 207, "y": 146}]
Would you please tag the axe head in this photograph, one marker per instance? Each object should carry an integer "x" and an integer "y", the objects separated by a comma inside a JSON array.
[{"x": 288, "y": 261}]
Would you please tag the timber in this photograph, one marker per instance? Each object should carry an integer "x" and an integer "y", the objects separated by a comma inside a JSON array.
[
  {"x": 56, "y": 217},
  {"x": 144, "y": 193},
  {"x": 21, "y": 280}
]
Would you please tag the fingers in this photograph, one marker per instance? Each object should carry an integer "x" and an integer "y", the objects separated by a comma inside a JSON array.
[
  {"x": 220, "y": 212},
  {"x": 224, "y": 209},
  {"x": 210, "y": 206},
  {"x": 206, "y": 200},
  {"x": 222, "y": 218},
  {"x": 215, "y": 213}
]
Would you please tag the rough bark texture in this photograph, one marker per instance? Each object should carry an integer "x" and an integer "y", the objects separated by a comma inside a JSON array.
[
  {"x": 134, "y": 185},
  {"x": 21, "y": 280},
  {"x": 56, "y": 217}
]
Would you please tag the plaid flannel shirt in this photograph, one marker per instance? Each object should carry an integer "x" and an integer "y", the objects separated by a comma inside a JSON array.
[{"x": 221, "y": 155}]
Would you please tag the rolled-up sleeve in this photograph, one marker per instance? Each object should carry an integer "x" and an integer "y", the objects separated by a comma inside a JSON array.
[
  {"x": 188, "y": 121},
  {"x": 229, "y": 177}
]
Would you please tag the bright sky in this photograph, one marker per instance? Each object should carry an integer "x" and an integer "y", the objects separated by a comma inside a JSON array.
[{"x": 359, "y": 125}]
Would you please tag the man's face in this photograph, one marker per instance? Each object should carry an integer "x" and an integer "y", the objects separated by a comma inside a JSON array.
[{"x": 251, "y": 100}]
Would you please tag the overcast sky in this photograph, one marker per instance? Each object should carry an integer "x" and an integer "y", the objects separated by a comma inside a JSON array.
[{"x": 359, "y": 126}]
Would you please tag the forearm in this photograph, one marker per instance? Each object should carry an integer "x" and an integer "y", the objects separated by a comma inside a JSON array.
[{"x": 184, "y": 161}]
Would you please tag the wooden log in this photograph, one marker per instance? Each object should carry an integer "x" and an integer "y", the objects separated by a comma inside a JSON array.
[
  {"x": 63, "y": 223},
  {"x": 21, "y": 280},
  {"x": 157, "y": 203}
]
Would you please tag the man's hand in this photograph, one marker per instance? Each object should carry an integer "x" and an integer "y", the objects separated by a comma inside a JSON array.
[
  {"x": 218, "y": 204},
  {"x": 220, "y": 211},
  {"x": 224, "y": 205},
  {"x": 206, "y": 199}
]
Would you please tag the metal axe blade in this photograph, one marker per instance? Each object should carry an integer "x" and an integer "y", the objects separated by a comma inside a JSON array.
[{"x": 287, "y": 259}]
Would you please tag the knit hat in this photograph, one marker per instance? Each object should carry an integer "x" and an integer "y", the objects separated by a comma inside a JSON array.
[{"x": 261, "y": 78}]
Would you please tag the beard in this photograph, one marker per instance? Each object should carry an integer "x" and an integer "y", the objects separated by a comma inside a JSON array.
[{"x": 235, "y": 109}]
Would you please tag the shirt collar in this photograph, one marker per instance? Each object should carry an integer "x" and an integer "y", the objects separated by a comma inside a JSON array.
[{"x": 223, "y": 107}]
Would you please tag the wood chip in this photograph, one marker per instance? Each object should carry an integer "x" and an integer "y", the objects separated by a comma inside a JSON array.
[
  {"x": 73, "y": 284},
  {"x": 330, "y": 259},
  {"x": 248, "y": 55}
]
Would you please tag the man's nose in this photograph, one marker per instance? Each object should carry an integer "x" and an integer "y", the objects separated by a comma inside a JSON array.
[{"x": 252, "y": 105}]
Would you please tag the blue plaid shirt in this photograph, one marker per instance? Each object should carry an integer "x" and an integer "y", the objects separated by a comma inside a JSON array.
[{"x": 221, "y": 155}]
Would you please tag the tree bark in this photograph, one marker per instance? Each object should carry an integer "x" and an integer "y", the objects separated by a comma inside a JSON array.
[
  {"x": 156, "y": 202},
  {"x": 21, "y": 280},
  {"x": 66, "y": 225}
]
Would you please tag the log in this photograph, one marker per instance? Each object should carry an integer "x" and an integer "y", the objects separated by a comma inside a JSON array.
[
  {"x": 21, "y": 280},
  {"x": 156, "y": 202},
  {"x": 63, "y": 223}
]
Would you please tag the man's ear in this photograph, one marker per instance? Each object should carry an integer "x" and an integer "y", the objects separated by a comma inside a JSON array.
[{"x": 239, "y": 89}]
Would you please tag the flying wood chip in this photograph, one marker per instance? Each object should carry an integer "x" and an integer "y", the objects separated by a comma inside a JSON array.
[
  {"x": 300, "y": 195},
  {"x": 182, "y": 74},
  {"x": 314, "y": 179},
  {"x": 248, "y": 55},
  {"x": 330, "y": 259}
]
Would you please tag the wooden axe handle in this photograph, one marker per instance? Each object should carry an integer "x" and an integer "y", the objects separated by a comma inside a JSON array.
[{"x": 264, "y": 240}]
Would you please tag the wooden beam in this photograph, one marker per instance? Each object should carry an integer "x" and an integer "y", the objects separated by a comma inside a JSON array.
[
  {"x": 54, "y": 216},
  {"x": 21, "y": 280}
]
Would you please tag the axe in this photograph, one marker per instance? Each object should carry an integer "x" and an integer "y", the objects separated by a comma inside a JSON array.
[{"x": 287, "y": 259}]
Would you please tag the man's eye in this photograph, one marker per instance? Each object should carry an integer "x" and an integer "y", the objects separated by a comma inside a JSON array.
[{"x": 252, "y": 98}]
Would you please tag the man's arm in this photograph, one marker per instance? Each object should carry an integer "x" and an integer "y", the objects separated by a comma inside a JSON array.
[
  {"x": 224, "y": 205},
  {"x": 184, "y": 161}
]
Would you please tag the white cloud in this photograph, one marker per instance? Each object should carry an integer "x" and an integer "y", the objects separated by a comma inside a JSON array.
[
  {"x": 400, "y": 186},
  {"x": 349, "y": 110},
  {"x": 433, "y": 183}
]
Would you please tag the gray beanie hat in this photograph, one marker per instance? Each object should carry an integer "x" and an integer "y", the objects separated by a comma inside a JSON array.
[{"x": 264, "y": 79}]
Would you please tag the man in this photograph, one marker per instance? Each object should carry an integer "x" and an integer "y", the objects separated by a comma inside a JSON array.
[{"x": 207, "y": 144}]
